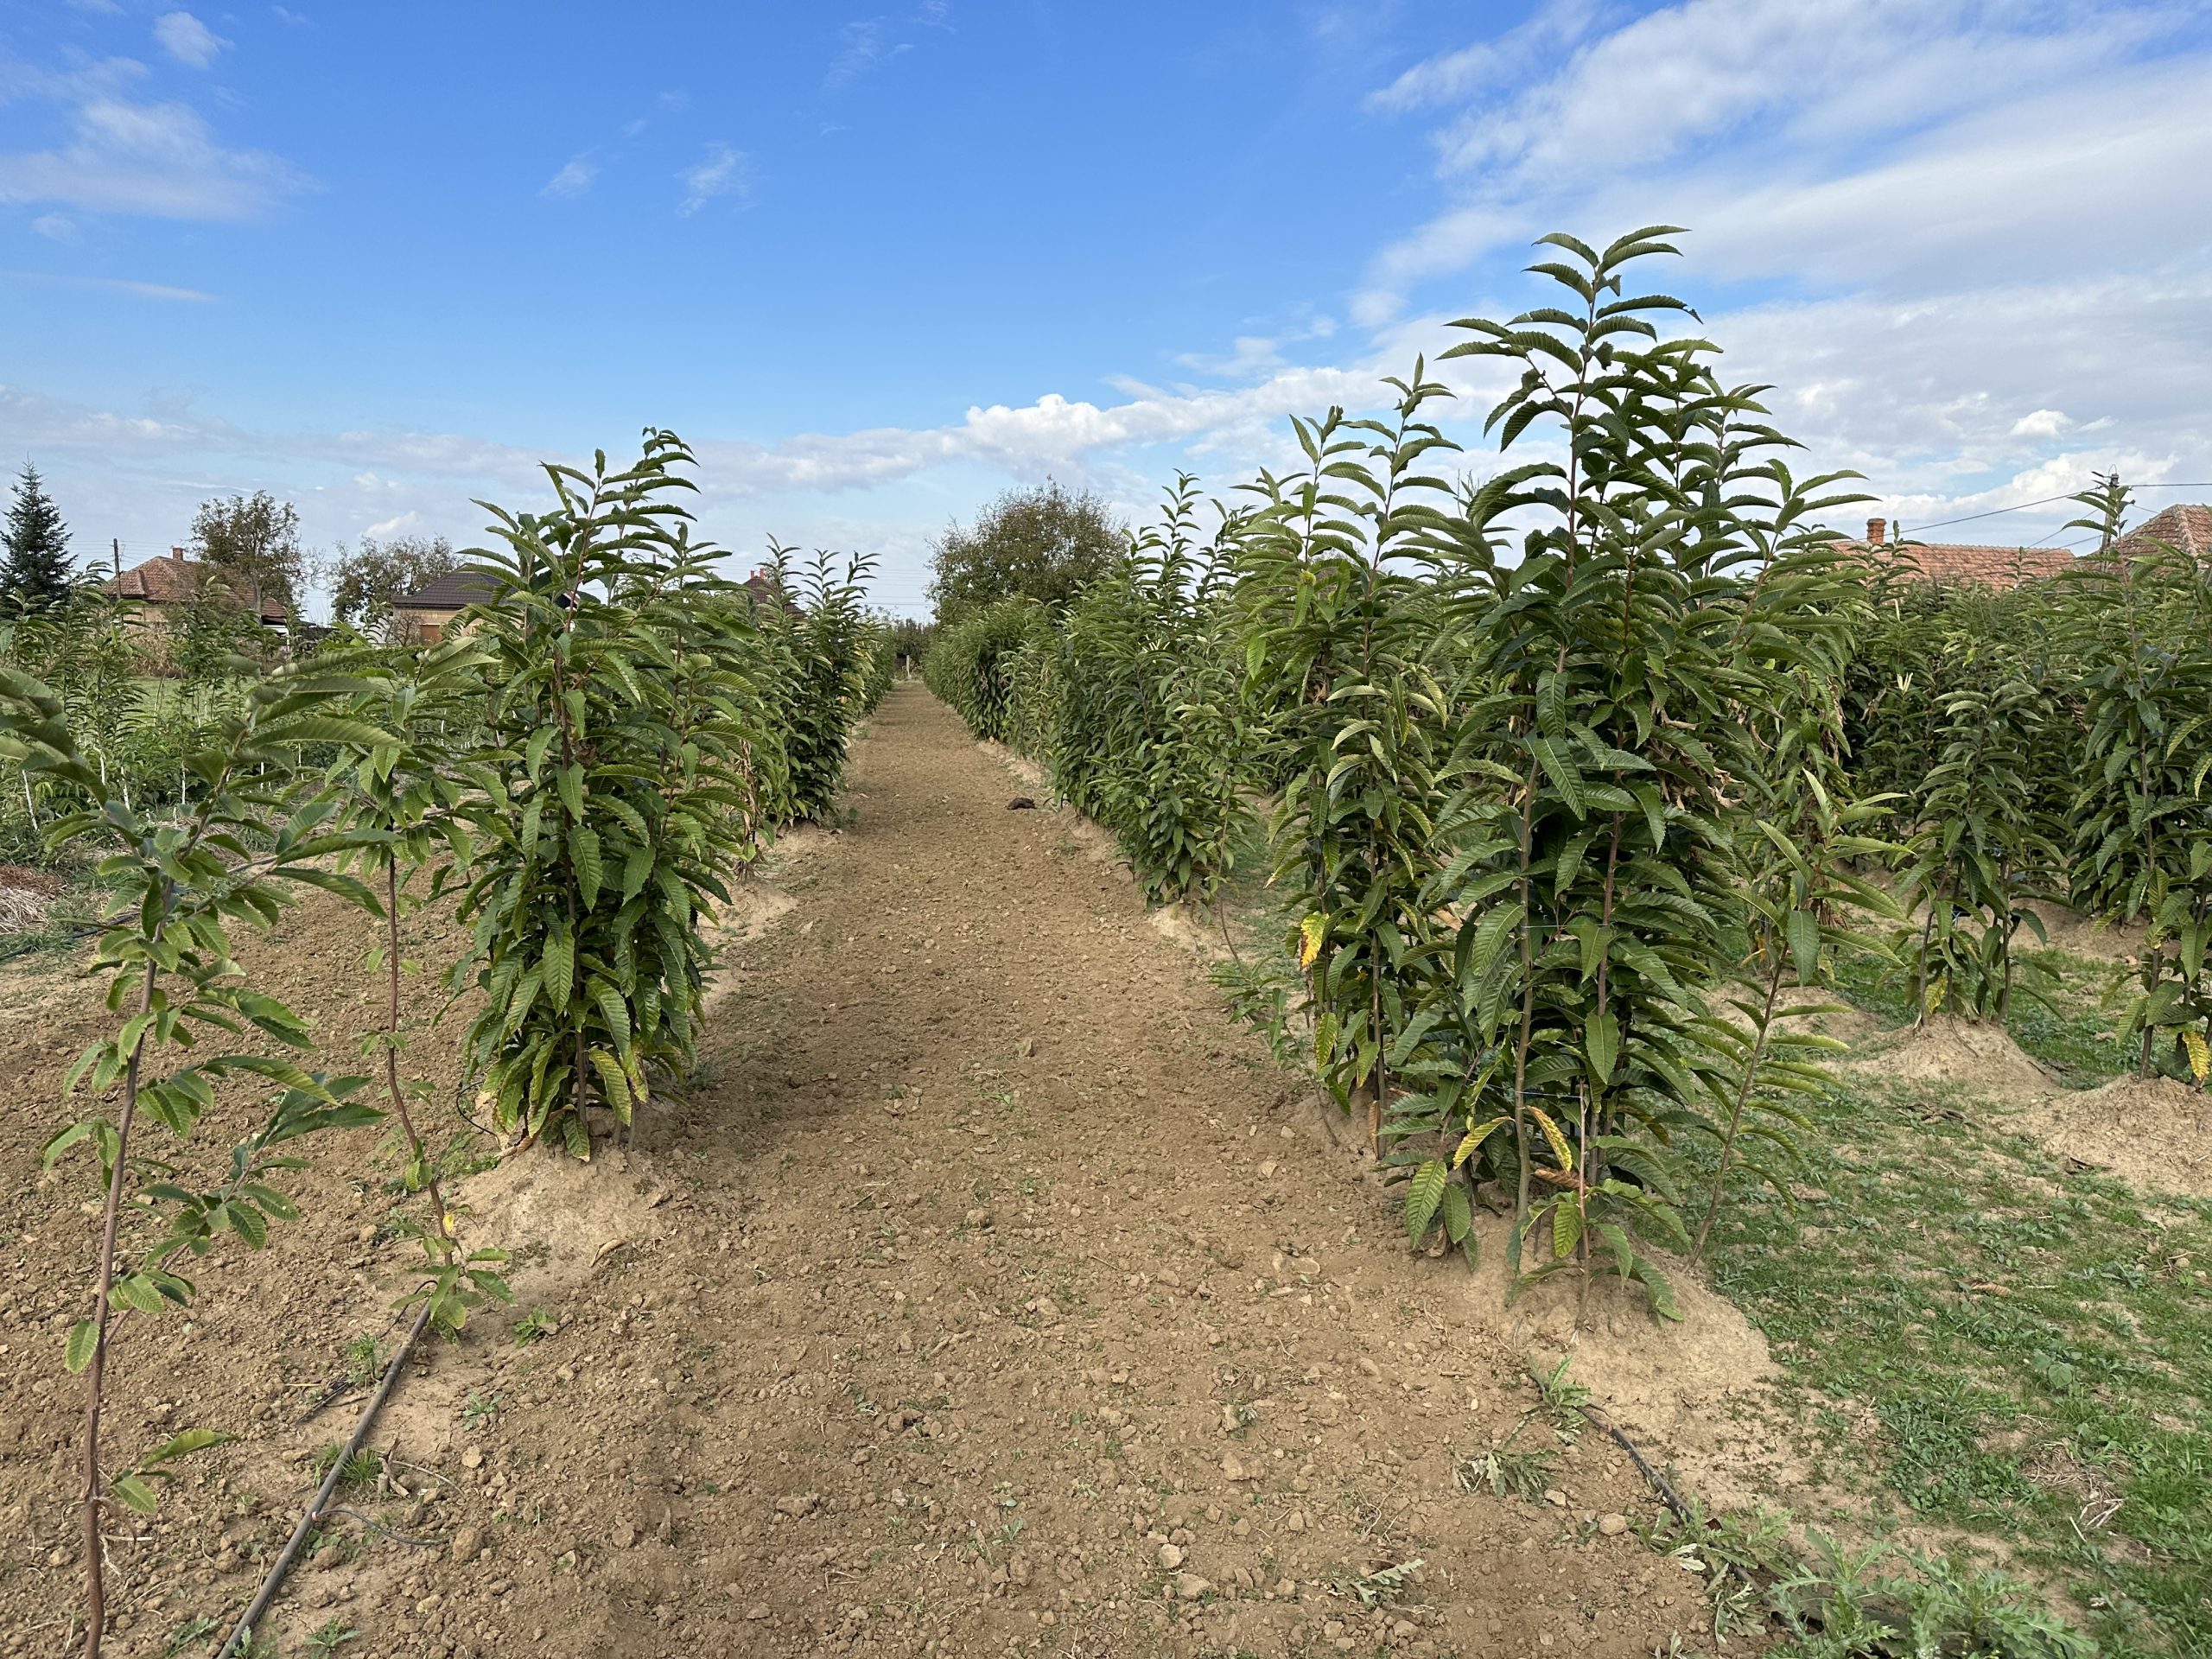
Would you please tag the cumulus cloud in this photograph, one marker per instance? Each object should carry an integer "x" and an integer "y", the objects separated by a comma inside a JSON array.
[
  {"x": 1970, "y": 271},
  {"x": 188, "y": 40}
]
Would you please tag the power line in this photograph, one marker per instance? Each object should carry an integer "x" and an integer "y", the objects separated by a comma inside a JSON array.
[{"x": 1999, "y": 513}]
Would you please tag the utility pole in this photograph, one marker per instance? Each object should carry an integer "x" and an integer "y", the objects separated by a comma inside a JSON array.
[{"x": 117, "y": 544}]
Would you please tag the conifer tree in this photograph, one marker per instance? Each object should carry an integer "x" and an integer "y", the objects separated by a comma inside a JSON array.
[{"x": 34, "y": 569}]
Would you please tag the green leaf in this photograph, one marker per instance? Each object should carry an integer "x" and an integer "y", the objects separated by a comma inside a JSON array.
[
  {"x": 1804, "y": 929},
  {"x": 84, "y": 1337},
  {"x": 1601, "y": 1043},
  {"x": 192, "y": 1439},
  {"x": 134, "y": 1494},
  {"x": 1458, "y": 1214},
  {"x": 1424, "y": 1194},
  {"x": 583, "y": 851}
]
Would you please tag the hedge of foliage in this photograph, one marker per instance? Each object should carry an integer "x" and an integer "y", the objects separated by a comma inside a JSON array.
[{"x": 1576, "y": 776}]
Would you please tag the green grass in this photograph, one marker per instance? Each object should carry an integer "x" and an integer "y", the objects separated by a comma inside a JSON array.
[{"x": 2028, "y": 1351}]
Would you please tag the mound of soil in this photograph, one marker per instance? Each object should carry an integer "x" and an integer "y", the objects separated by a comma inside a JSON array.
[
  {"x": 1948, "y": 1049},
  {"x": 2078, "y": 935},
  {"x": 25, "y": 895},
  {"x": 1697, "y": 1391},
  {"x": 2153, "y": 1133}
]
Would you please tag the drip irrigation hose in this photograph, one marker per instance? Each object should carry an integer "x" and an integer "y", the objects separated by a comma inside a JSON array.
[
  {"x": 275, "y": 1581},
  {"x": 1658, "y": 1481}
]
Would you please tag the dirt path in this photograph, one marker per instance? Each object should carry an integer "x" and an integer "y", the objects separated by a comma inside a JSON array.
[{"x": 988, "y": 1291}]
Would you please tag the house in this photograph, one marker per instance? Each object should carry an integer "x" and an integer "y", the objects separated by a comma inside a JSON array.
[
  {"x": 1983, "y": 564},
  {"x": 172, "y": 579},
  {"x": 2185, "y": 528},
  {"x": 427, "y": 612}
]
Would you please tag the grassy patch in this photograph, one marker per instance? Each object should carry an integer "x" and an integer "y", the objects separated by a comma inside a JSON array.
[{"x": 2028, "y": 1350}]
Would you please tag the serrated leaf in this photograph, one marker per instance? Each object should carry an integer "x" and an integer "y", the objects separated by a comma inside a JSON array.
[
  {"x": 133, "y": 1493},
  {"x": 1423, "y": 1194}
]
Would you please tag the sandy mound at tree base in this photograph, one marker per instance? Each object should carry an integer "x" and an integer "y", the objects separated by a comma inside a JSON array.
[
  {"x": 2081, "y": 935},
  {"x": 1948, "y": 1049},
  {"x": 1696, "y": 1394},
  {"x": 2153, "y": 1133}
]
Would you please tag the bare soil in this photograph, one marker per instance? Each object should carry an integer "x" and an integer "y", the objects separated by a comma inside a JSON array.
[
  {"x": 2153, "y": 1133},
  {"x": 1975, "y": 1054},
  {"x": 986, "y": 1291}
]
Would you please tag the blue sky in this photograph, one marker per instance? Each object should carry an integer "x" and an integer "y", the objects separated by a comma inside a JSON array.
[{"x": 879, "y": 265}]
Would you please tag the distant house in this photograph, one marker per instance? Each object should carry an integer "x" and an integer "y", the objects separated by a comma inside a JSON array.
[
  {"x": 1981, "y": 564},
  {"x": 172, "y": 579},
  {"x": 2185, "y": 527},
  {"x": 426, "y": 613}
]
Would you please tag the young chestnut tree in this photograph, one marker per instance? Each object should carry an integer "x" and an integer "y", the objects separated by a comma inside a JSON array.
[
  {"x": 610, "y": 795},
  {"x": 180, "y": 887}
]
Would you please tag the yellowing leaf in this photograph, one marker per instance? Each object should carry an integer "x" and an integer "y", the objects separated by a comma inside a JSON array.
[
  {"x": 1552, "y": 1134},
  {"x": 1475, "y": 1137},
  {"x": 2200, "y": 1053},
  {"x": 1310, "y": 932}
]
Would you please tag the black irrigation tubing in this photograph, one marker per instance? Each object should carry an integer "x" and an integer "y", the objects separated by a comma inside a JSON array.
[
  {"x": 338, "y": 1386},
  {"x": 275, "y": 1581},
  {"x": 1593, "y": 1414}
]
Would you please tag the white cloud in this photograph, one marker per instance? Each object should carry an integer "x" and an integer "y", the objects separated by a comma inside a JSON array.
[
  {"x": 1488, "y": 65},
  {"x": 862, "y": 46},
  {"x": 720, "y": 173},
  {"x": 188, "y": 40},
  {"x": 575, "y": 178},
  {"x": 1863, "y": 133},
  {"x": 157, "y": 160},
  {"x": 2040, "y": 423},
  {"x": 115, "y": 285},
  {"x": 55, "y": 227}
]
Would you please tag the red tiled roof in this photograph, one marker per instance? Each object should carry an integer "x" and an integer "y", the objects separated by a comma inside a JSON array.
[
  {"x": 2185, "y": 527},
  {"x": 1987, "y": 566},
  {"x": 171, "y": 579}
]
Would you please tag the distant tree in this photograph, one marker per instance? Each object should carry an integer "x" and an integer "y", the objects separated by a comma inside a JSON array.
[
  {"x": 254, "y": 541},
  {"x": 364, "y": 582},
  {"x": 1045, "y": 542},
  {"x": 206, "y": 631},
  {"x": 34, "y": 569}
]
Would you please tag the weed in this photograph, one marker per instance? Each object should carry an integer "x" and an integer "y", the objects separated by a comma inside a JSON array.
[
  {"x": 364, "y": 1362},
  {"x": 189, "y": 1634},
  {"x": 362, "y": 1467},
  {"x": 1509, "y": 1470},
  {"x": 538, "y": 1323},
  {"x": 1375, "y": 1589}
]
